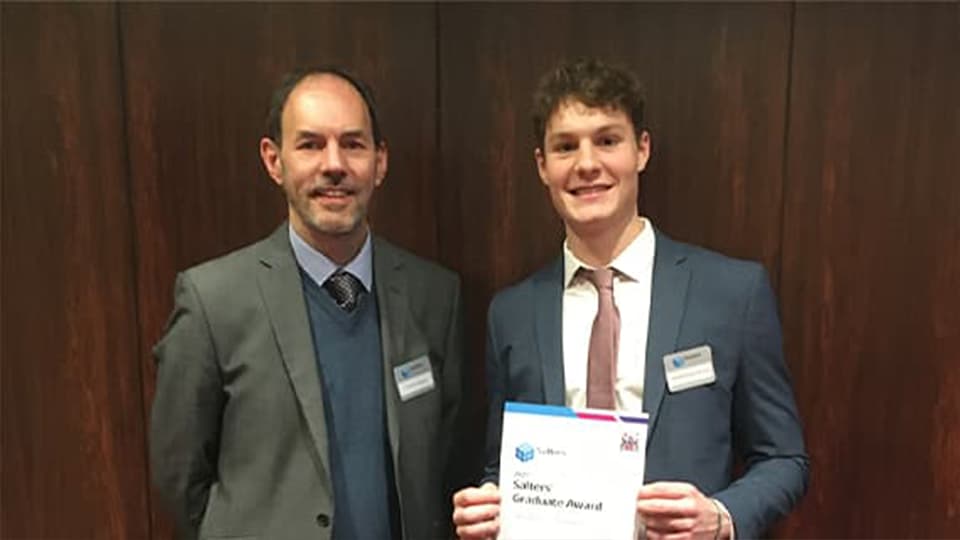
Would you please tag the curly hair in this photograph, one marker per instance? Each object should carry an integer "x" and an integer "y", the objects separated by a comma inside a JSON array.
[{"x": 591, "y": 82}]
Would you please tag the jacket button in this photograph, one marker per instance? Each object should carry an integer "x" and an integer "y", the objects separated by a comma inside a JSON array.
[{"x": 323, "y": 520}]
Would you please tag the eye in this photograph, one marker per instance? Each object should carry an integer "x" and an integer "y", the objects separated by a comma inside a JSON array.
[
  {"x": 354, "y": 144},
  {"x": 308, "y": 145},
  {"x": 608, "y": 140},
  {"x": 563, "y": 147}
]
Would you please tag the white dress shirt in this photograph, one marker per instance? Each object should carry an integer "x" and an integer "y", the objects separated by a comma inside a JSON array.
[{"x": 632, "y": 282}]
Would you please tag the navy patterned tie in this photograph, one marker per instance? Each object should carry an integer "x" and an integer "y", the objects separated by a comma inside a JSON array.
[{"x": 345, "y": 289}]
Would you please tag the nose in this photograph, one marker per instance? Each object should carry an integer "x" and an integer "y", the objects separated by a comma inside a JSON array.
[
  {"x": 587, "y": 165},
  {"x": 332, "y": 166}
]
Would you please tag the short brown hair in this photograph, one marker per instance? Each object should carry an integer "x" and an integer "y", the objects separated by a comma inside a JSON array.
[{"x": 591, "y": 82}]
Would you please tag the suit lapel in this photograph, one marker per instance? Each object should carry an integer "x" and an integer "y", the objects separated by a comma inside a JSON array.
[
  {"x": 399, "y": 337},
  {"x": 671, "y": 277},
  {"x": 548, "y": 306},
  {"x": 282, "y": 291}
]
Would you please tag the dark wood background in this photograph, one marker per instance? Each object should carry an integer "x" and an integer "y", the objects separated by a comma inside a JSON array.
[{"x": 821, "y": 139}]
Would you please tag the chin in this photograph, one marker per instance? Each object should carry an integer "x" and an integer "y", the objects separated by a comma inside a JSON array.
[
  {"x": 589, "y": 219},
  {"x": 339, "y": 229}
]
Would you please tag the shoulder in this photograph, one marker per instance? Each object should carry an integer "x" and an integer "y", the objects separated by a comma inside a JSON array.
[
  {"x": 525, "y": 295},
  {"x": 708, "y": 266},
  {"x": 235, "y": 270},
  {"x": 411, "y": 262}
]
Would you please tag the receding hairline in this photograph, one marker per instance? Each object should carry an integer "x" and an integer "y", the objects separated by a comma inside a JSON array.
[{"x": 315, "y": 78}]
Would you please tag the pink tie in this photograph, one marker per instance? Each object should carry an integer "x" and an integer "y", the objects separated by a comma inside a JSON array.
[{"x": 604, "y": 342}]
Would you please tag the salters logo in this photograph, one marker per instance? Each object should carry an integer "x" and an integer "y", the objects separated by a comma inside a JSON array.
[{"x": 524, "y": 452}]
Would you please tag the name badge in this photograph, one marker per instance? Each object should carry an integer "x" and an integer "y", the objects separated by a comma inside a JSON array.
[
  {"x": 689, "y": 369},
  {"x": 414, "y": 378}
]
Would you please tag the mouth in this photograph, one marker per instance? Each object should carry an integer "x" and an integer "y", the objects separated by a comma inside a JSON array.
[
  {"x": 331, "y": 193},
  {"x": 589, "y": 191}
]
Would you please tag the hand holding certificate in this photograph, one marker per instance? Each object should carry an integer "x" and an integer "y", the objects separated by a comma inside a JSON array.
[{"x": 570, "y": 474}]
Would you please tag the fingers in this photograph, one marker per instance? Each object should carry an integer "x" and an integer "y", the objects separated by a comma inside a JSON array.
[
  {"x": 477, "y": 512},
  {"x": 668, "y": 525},
  {"x": 479, "y": 531},
  {"x": 675, "y": 510},
  {"x": 667, "y": 490},
  {"x": 489, "y": 493},
  {"x": 668, "y": 508},
  {"x": 669, "y": 536},
  {"x": 671, "y": 499}
]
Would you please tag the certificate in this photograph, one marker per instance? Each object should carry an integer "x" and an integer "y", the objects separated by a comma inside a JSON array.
[{"x": 570, "y": 473}]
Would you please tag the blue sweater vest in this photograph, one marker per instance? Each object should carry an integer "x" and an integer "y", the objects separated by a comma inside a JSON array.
[{"x": 350, "y": 362}]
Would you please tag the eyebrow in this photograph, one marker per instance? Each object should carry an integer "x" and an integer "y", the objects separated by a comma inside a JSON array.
[
  {"x": 307, "y": 134},
  {"x": 600, "y": 130}
]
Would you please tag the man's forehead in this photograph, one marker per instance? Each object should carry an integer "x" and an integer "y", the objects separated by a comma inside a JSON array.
[
  {"x": 326, "y": 98},
  {"x": 327, "y": 82},
  {"x": 572, "y": 112}
]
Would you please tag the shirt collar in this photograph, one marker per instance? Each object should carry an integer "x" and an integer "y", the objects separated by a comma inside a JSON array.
[
  {"x": 632, "y": 262},
  {"x": 319, "y": 267}
]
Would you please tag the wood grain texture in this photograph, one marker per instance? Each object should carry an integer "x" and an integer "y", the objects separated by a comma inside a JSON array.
[
  {"x": 715, "y": 79},
  {"x": 72, "y": 433},
  {"x": 871, "y": 259},
  {"x": 199, "y": 78},
  {"x": 856, "y": 103}
]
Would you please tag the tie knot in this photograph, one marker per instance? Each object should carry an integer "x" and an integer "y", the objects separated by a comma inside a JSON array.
[
  {"x": 345, "y": 289},
  {"x": 602, "y": 278}
]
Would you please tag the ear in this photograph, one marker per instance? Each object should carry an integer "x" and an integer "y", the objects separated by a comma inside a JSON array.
[
  {"x": 382, "y": 163},
  {"x": 643, "y": 150},
  {"x": 541, "y": 160},
  {"x": 270, "y": 155}
]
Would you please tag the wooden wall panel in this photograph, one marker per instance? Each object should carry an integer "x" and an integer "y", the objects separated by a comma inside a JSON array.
[
  {"x": 716, "y": 81},
  {"x": 871, "y": 267},
  {"x": 72, "y": 415},
  {"x": 198, "y": 79},
  {"x": 864, "y": 223}
]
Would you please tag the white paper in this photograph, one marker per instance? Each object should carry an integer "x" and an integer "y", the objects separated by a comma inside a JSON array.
[{"x": 570, "y": 473}]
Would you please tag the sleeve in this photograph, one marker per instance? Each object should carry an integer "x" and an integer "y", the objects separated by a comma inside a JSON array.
[
  {"x": 766, "y": 424},
  {"x": 187, "y": 406},
  {"x": 453, "y": 393},
  {"x": 496, "y": 395}
]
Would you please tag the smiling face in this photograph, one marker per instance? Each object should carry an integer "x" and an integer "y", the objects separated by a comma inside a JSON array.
[
  {"x": 327, "y": 162},
  {"x": 590, "y": 161}
]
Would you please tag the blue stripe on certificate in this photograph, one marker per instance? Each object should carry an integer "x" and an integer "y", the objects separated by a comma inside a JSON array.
[{"x": 532, "y": 408}]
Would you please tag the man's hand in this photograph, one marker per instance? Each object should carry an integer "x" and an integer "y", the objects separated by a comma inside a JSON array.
[
  {"x": 678, "y": 511},
  {"x": 476, "y": 512}
]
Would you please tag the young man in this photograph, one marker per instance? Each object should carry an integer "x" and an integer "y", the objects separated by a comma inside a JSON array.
[
  {"x": 308, "y": 385},
  {"x": 592, "y": 329}
]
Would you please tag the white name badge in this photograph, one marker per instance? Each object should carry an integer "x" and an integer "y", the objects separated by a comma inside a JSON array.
[
  {"x": 689, "y": 368},
  {"x": 414, "y": 378},
  {"x": 570, "y": 474}
]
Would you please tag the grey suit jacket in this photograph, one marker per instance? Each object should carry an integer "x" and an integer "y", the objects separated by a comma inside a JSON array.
[
  {"x": 698, "y": 298},
  {"x": 238, "y": 441}
]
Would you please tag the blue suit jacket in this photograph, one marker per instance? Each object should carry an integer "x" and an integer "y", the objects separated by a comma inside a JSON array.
[{"x": 699, "y": 298}]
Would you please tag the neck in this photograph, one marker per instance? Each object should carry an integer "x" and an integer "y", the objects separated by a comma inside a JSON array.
[
  {"x": 340, "y": 248},
  {"x": 598, "y": 248}
]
